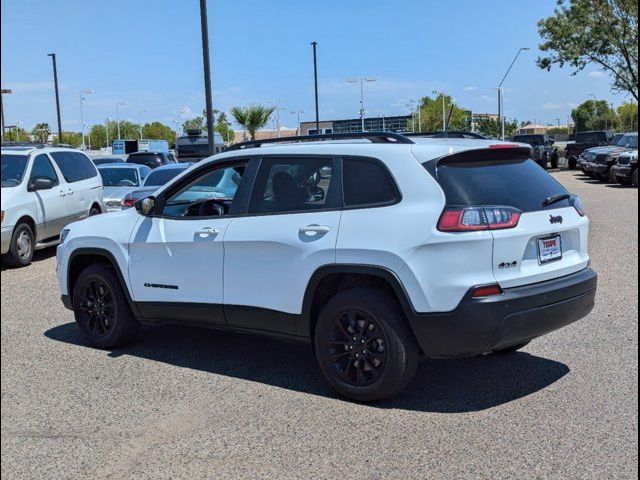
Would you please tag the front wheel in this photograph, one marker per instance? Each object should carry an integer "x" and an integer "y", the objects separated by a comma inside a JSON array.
[
  {"x": 364, "y": 346},
  {"x": 101, "y": 308},
  {"x": 21, "y": 247}
]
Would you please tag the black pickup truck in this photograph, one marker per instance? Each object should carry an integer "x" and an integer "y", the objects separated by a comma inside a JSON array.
[{"x": 585, "y": 140}]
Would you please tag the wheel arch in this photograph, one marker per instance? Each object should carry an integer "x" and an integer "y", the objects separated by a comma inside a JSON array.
[
  {"x": 83, "y": 257},
  {"x": 328, "y": 280},
  {"x": 29, "y": 221}
]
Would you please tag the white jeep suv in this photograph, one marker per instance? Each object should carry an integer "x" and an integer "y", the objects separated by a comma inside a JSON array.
[
  {"x": 44, "y": 189},
  {"x": 378, "y": 250}
]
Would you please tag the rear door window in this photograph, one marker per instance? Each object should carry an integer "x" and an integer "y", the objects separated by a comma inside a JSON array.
[
  {"x": 517, "y": 182},
  {"x": 74, "y": 166}
]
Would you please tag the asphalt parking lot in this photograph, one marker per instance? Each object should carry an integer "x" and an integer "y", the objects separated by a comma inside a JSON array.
[{"x": 189, "y": 403}]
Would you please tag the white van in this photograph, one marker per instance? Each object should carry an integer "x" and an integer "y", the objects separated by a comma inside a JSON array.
[{"x": 44, "y": 189}]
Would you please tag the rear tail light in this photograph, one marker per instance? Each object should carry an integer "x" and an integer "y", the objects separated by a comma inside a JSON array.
[
  {"x": 472, "y": 219},
  {"x": 486, "y": 291},
  {"x": 577, "y": 204},
  {"x": 128, "y": 202}
]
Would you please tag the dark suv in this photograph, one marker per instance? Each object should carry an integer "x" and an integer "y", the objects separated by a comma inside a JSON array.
[
  {"x": 543, "y": 150},
  {"x": 151, "y": 159},
  {"x": 584, "y": 141}
]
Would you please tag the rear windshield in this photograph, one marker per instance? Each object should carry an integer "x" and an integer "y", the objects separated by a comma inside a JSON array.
[
  {"x": 144, "y": 159},
  {"x": 628, "y": 141},
  {"x": 160, "y": 177},
  {"x": 591, "y": 137},
  {"x": 530, "y": 139},
  {"x": 520, "y": 183},
  {"x": 119, "y": 177}
]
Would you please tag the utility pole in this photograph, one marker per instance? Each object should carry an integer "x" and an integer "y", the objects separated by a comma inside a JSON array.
[
  {"x": 298, "y": 113},
  {"x": 4, "y": 91},
  {"x": 207, "y": 74},
  {"x": 55, "y": 82},
  {"x": 118, "y": 115},
  {"x": 82, "y": 113},
  {"x": 501, "y": 91},
  {"x": 315, "y": 77},
  {"x": 419, "y": 108},
  {"x": 362, "y": 110}
]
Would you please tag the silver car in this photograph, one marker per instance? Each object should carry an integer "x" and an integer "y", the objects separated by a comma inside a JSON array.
[{"x": 120, "y": 179}]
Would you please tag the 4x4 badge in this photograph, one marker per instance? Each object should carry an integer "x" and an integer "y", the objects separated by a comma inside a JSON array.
[{"x": 554, "y": 220}]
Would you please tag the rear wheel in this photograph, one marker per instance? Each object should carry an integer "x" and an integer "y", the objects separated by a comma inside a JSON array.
[
  {"x": 364, "y": 346},
  {"x": 101, "y": 308},
  {"x": 94, "y": 211},
  {"x": 511, "y": 349},
  {"x": 21, "y": 247},
  {"x": 572, "y": 163}
]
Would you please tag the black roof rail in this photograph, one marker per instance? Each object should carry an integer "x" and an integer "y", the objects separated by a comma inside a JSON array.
[
  {"x": 374, "y": 137},
  {"x": 448, "y": 134}
]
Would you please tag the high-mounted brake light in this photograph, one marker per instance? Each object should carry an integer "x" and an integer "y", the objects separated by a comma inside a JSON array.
[
  {"x": 473, "y": 219},
  {"x": 487, "y": 291},
  {"x": 498, "y": 146}
]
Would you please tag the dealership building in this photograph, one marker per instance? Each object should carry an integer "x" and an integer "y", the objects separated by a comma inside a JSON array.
[{"x": 353, "y": 125}]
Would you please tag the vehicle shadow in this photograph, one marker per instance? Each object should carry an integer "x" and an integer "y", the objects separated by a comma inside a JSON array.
[
  {"x": 38, "y": 256},
  {"x": 441, "y": 386}
]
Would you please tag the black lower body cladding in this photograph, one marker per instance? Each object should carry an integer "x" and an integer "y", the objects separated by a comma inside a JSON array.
[{"x": 480, "y": 325}]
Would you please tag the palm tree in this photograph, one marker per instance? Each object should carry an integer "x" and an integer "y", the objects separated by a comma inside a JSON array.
[
  {"x": 41, "y": 132},
  {"x": 252, "y": 118}
]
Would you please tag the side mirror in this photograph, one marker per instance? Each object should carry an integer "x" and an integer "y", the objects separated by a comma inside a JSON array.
[
  {"x": 40, "y": 183},
  {"x": 146, "y": 206}
]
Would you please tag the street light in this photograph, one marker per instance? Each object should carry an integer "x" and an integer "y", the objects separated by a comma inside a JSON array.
[
  {"x": 278, "y": 108},
  {"x": 88, "y": 92},
  {"x": 419, "y": 107},
  {"x": 315, "y": 78},
  {"x": 362, "y": 80},
  {"x": 595, "y": 110},
  {"x": 55, "y": 82},
  {"x": 298, "y": 113},
  {"x": 140, "y": 114},
  {"x": 118, "y": 103},
  {"x": 4, "y": 91},
  {"x": 206, "y": 64},
  {"x": 444, "y": 110},
  {"x": 106, "y": 146},
  {"x": 500, "y": 90}
]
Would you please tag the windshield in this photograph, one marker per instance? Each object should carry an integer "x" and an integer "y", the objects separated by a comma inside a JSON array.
[
  {"x": 628, "y": 141},
  {"x": 160, "y": 177},
  {"x": 530, "y": 139},
  {"x": 13, "y": 168},
  {"x": 591, "y": 137},
  {"x": 144, "y": 159},
  {"x": 119, "y": 177}
]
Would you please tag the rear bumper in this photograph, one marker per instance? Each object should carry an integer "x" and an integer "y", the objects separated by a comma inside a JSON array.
[{"x": 521, "y": 314}]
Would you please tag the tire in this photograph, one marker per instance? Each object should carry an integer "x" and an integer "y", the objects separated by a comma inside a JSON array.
[
  {"x": 101, "y": 308},
  {"x": 94, "y": 211},
  {"x": 612, "y": 176},
  {"x": 572, "y": 163},
  {"x": 382, "y": 342},
  {"x": 634, "y": 178},
  {"x": 554, "y": 161},
  {"x": 21, "y": 247},
  {"x": 511, "y": 349}
]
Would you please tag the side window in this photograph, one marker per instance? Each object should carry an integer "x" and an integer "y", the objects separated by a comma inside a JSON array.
[
  {"x": 42, "y": 168},
  {"x": 211, "y": 194},
  {"x": 294, "y": 185},
  {"x": 74, "y": 166},
  {"x": 367, "y": 183}
]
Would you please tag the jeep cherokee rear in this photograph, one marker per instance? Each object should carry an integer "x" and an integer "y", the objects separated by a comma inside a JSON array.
[{"x": 375, "y": 253}]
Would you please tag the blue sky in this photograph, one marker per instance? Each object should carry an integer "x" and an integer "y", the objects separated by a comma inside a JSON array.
[{"x": 148, "y": 53}]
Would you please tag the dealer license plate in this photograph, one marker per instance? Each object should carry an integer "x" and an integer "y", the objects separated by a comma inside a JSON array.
[{"x": 549, "y": 249}]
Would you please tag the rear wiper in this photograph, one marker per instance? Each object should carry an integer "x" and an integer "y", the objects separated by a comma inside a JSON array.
[{"x": 555, "y": 199}]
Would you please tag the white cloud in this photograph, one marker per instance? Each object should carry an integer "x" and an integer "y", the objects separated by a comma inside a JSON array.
[
  {"x": 597, "y": 74},
  {"x": 470, "y": 88}
]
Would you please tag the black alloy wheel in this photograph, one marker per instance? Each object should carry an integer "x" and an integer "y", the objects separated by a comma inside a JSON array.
[
  {"x": 97, "y": 307},
  {"x": 357, "y": 348}
]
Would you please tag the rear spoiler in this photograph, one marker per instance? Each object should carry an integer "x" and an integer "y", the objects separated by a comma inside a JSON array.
[{"x": 500, "y": 151}]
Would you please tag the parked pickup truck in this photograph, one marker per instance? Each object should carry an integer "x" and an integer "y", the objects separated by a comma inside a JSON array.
[{"x": 585, "y": 140}]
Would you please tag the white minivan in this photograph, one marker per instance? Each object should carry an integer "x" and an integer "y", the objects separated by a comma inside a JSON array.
[{"x": 44, "y": 189}]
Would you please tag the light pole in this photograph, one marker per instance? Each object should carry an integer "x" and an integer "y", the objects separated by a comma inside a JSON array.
[
  {"x": 595, "y": 109},
  {"x": 89, "y": 134},
  {"x": 419, "y": 107},
  {"x": 207, "y": 75},
  {"x": 298, "y": 113},
  {"x": 444, "y": 110},
  {"x": 55, "y": 83},
  {"x": 118, "y": 103},
  {"x": 315, "y": 77},
  {"x": 362, "y": 80},
  {"x": 501, "y": 91},
  {"x": 140, "y": 114},
  {"x": 4, "y": 91},
  {"x": 106, "y": 125},
  {"x": 278, "y": 108},
  {"x": 82, "y": 92},
  {"x": 17, "y": 129}
]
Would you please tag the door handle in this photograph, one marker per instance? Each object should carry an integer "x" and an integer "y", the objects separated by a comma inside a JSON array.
[
  {"x": 62, "y": 194},
  {"x": 207, "y": 232},
  {"x": 70, "y": 192},
  {"x": 314, "y": 229}
]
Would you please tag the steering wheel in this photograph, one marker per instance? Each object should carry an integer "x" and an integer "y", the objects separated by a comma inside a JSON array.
[
  {"x": 212, "y": 207},
  {"x": 126, "y": 183}
]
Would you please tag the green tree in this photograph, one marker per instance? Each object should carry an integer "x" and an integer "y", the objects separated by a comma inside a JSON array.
[
  {"x": 592, "y": 115},
  {"x": 197, "y": 123},
  {"x": 491, "y": 127},
  {"x": 158, "y": 131},
  {"x": 252, "y": 118},
  {"x": 431, "y": 115},
  {"x": 628, "y": 117},
  {"x": 41, "y": 132},
  {"x": 601, "y": 32},
  {"x": 73, "y": 139},
  {"x": 225, "y": 130},
  {"x": 16, "y": 134}
]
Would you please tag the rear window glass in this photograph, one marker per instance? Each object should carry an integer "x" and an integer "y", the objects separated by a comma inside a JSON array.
[
  {"x": 591, "y": 137},
  {"x": 366, "y": 182},
  {"x": 530, "y": 139},
  {"x": 145, "y": 159},
  {"x": 520, "y": 183},
  {"x": 160, "y": 177},
  {"x": 119, "y": 177}
]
